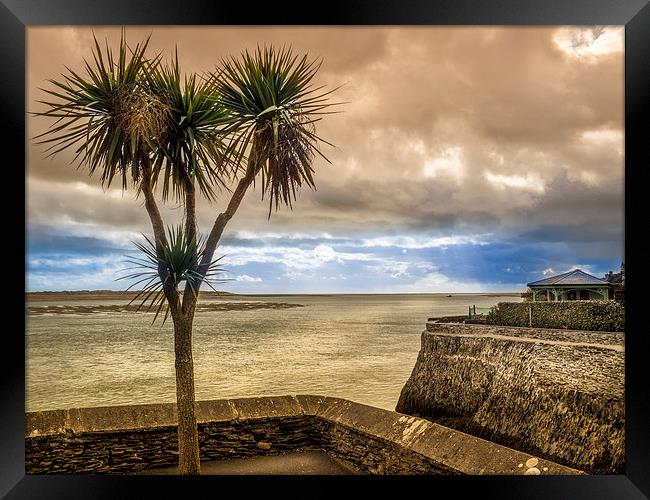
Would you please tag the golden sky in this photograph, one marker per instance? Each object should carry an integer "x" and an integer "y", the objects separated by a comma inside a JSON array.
[{"x": 459, "y": 148}]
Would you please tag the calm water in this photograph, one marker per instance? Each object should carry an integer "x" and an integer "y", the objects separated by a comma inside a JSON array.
[{"x": 358, "y": 347}]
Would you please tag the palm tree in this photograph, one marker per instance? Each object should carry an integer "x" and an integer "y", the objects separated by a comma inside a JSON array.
[{"x": 252, "y": 118}]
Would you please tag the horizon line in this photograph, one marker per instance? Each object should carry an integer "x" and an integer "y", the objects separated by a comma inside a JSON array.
[{"x": 285, "y": 293}]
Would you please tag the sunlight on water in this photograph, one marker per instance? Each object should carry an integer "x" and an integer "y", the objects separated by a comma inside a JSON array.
[{"x": 358, "y": 347}]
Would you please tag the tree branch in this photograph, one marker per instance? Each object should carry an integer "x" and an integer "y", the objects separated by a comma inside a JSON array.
[
  {"x": 169, "y": 288},
  {"x": 222, "y": 220},
  {"x": 191, "y": 291},
  {"x": 189, "y": 301},
  {"x": 190, "y": 211}
]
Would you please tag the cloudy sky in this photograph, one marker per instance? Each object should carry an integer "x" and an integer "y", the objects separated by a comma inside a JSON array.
[{"x": 466, "y": 159}]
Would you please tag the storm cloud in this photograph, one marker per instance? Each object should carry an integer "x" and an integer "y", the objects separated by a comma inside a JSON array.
[{"x": 508, "y": 142}]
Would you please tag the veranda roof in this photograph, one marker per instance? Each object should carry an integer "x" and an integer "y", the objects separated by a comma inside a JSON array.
[{"x": 572, "y": 278}]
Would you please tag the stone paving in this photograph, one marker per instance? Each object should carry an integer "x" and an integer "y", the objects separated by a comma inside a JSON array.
[{"x": 294, "y": 463}]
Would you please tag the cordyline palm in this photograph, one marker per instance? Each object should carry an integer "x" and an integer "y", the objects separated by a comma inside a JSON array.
[
  {"x": 181, "y": 257},
  {"x": 140, "y": 119},
  {"x": 135, "y": 118},
  {"x": 94, "y": 113},
  {"x": 273, "y": 106}
]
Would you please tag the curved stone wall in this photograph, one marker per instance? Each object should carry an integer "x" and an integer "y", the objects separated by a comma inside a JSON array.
[
  {"x": 555, "y": 393},
  {"x": 126, "y": 439}
]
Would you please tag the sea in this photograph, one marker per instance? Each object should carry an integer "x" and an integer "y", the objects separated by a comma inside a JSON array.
[{"x": 81, "y": 353}]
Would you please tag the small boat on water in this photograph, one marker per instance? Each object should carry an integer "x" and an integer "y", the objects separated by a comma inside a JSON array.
[{"x": 449, "y": 295}]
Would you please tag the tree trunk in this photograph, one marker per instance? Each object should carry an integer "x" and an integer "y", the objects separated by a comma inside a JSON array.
[
  {"x": 183, "y": 314},
  {"x": 188, "y": 438}
]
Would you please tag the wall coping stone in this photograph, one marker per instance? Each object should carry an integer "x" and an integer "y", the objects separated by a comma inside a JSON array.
[
  {"x": 607, "y": 340},
  {"x": 460, "y": 452}
]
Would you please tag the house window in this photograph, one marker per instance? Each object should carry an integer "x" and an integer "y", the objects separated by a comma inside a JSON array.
[{"x": 584, "y": 294}]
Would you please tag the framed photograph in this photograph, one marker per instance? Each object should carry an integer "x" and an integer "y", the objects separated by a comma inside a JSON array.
[{"x": 410, "y": 226}]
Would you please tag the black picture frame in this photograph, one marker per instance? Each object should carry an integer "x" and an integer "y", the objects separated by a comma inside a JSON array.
[{"x": 17, "y": 15}]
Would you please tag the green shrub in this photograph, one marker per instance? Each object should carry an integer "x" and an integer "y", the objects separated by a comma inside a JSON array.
[{"x": 603, "y": 315}]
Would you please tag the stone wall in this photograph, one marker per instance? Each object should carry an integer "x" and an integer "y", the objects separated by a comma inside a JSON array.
[
  {"x": 127, "y": 439},
  {"x": 132, "y": 438},
  {"x": 553, "y": 393}
]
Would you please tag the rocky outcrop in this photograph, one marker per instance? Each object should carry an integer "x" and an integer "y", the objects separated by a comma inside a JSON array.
[{"x": 554, "y": 393}]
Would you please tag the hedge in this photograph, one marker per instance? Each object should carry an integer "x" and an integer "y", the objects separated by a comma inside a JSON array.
[{"x": 603, "y": 315}]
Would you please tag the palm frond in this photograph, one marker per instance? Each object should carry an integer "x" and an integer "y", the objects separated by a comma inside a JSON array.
[
  {"x": 180, "y": 258},
  {"x": 103, "y": 113},
  {"x": 273, "y": 106},
  {"x": 190, "y": 151}
]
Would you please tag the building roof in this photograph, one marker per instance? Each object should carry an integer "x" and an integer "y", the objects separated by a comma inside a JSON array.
[{"x": 575, "y": 277}]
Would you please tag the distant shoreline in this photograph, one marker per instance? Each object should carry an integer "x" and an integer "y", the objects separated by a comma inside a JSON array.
[
  {"x": 115, "y": 294},
  {"x": 102, "y": 294}
]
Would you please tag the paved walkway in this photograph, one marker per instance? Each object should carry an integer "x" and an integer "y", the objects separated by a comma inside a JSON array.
[{"x": 294, "y": 463}]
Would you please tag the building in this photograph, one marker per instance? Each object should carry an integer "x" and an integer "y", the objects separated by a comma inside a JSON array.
[
  {"x": 616, "y": 278},
  {"x": 574, "y": 285}
]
